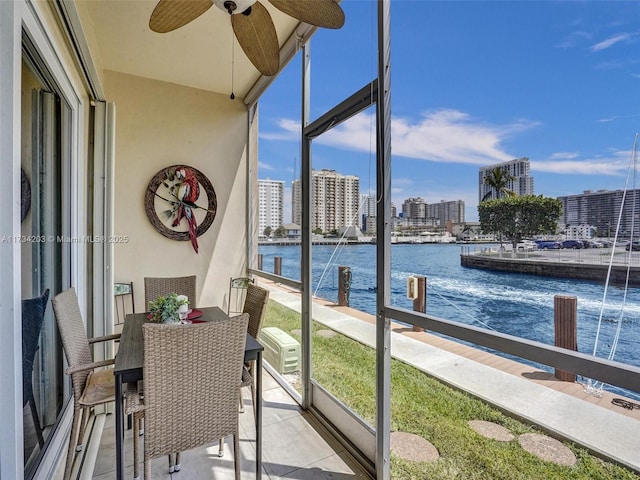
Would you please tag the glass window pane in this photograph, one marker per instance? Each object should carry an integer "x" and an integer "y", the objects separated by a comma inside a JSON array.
[{"x": 43, "y": 261}]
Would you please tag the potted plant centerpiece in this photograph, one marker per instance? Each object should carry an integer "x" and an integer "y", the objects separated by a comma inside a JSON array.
[{"x": 168, "y": 309}]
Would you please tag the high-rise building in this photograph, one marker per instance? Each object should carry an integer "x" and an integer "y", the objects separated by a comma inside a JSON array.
[
  {"x": 367, "y": 211},
  {"x": 445, "y": 212},
  {"x": 335, "y": 200},
  {"x": 270, "y": 204},
  {"x": 600, "y": 210},
  {"x": 414, "y": 208},
  {"x": 521, "y": 180},
  {"x": 419, "y": 213}
]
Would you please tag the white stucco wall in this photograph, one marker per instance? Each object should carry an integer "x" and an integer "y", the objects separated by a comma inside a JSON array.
[{"x": 158, "y": 125}]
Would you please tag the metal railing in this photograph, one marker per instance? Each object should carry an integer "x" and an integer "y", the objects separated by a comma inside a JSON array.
[{"x": 595, "y": 256}]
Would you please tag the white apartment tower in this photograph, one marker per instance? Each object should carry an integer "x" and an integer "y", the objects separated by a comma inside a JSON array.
[
  {"x": 367, "y": 211},
  {"x": 446, "y": 211},
  {"x": 521, "y": 182},
  {"x": 600, "y": 211},
  {"x": 334, "y": 200},
  {"x": 270, "y": 204}
]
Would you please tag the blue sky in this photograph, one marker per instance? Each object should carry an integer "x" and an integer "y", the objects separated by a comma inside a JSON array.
[{"x": 473, "y": 83}]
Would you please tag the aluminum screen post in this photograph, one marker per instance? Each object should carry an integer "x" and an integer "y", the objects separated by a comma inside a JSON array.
[
  {"x": 305, "y": 274},
  {"x": 383, "y": 234}
]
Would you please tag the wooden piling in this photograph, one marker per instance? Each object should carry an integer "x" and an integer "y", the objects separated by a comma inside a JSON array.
[
  {"x": 420, "y": 302},
  {"x": 344, "y": 285},
  {"x": 565, "y": 317},
  {"x": 277, "y": 265},
  {"x": 259, "y": 261}
]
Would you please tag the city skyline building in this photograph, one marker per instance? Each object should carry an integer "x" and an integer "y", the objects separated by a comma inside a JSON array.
[
  {"x": 600, "y": 210},
  {"x": 446, "y": 211},
  {"x": 521, "y": 182},
  {"x": 414, "y": 208},
  {"x": 335, "y": 200},
  {"x": 367, "y": 212},
  {"x": 416, "y": 212},
  {"x": 270, "y": 204}
]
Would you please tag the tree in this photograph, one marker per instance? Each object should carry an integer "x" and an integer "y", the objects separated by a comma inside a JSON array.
[
  {"x": 280, "y": 232},
  {"x": 317, "y": 231},
  {"x": 267, "y": 231},
  {"x": 498, "y": 179},
  {"x": 520, "y": 217},
  {"x": 466, "y": 232}
]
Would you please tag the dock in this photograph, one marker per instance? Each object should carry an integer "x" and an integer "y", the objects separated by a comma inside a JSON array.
[
  {"x": 563, "y": 409},
  {"x": 589, "y": 264}
]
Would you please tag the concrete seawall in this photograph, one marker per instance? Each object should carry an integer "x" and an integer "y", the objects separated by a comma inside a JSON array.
[{"x": 543, "y": 266}]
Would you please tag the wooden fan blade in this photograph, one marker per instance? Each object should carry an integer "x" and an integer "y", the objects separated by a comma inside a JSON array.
[
  {"x": 257, "y": 36},
  {"x": 172, "y": 14},
  {"x": 321, "y": 13}
]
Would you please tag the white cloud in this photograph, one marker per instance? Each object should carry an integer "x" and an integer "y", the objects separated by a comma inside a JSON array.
[
  {"x": 565, "y": 155},
  {"x": 449, "y": 136},
  {"x": 289, "y": 130},
  {"x": 612, "y": 118},
  {"x": 609, "y": 42},
  {"x": 573, "y": 39},
  {"x": 611, "y": 65},
  {"x": 265, "y": 166},
  {"x": 452, "y": 136},
  {"x": 616, "y": 164}
]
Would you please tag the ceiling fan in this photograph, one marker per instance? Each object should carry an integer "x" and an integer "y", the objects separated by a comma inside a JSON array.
[{"x": 251, "y": 22}]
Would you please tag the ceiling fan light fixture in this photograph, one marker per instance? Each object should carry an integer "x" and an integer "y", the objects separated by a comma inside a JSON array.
[
  {"x": 254, "y": 29},
  {"x": 234, "y": 6}
]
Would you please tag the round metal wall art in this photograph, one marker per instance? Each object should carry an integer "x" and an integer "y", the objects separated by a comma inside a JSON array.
[{"x": 171, "y": 202}]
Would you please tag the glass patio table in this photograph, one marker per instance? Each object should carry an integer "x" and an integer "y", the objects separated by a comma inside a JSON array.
[{"x": 128, "y": 368}]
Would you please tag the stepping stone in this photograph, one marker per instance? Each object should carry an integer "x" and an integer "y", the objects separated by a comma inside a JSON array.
[
  {"x": 491, "y": 430},
  {"x": 297, "y": 331},
  {"x": 547, "y": 448},
  {"x": 409, "y": 446},
  {"x": 327, "y": 333}
]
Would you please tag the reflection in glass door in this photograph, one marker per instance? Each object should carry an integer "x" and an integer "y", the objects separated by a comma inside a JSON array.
[{"x": 45, "y": 257}]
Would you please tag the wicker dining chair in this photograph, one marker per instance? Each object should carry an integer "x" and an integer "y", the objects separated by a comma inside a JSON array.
[
  {"x": 192, "y": 378},
  {"x": 91, "y": 386},
  {"x": 255, "y": 305},
  {"x": 155, "y": 287},
  {"x": 237, "y": 294},
  {"x": 32, "y": 320}
]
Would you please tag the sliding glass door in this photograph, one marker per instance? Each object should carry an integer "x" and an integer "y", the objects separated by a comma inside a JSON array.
[{"x": 44, "y": 254}]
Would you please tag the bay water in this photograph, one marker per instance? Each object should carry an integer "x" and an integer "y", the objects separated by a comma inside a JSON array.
[{"x": 516, "y": 304}]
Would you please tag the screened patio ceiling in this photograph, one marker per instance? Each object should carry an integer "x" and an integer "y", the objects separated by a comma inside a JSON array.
[{"x": 203, "y": 54}]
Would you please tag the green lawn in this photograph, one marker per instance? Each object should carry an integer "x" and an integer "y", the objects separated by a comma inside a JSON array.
[{"x": 424, "y": 406}]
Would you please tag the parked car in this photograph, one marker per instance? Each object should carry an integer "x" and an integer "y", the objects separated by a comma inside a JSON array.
[
  {"x": 572, "y": 244},
  {"x": 633, "y": 246},
  {"x": 596, "y": 244},
  {"x": 526, "y": 246},
  {"x": 548, "y": 244}
]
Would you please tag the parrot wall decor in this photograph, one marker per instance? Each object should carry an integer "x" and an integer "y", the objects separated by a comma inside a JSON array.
[{"x": 180, "y": 203}]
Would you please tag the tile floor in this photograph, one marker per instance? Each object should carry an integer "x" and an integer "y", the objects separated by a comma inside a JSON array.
[{"x": 295, "y": 445}]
